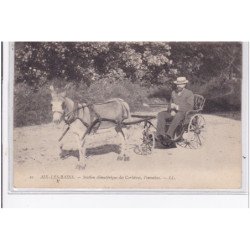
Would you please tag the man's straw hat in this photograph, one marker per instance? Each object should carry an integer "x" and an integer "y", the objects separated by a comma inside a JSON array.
[{"x": 181, "y": 80}]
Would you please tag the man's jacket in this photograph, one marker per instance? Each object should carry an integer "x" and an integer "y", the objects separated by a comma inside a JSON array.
[{"x": 185, "y": 100}]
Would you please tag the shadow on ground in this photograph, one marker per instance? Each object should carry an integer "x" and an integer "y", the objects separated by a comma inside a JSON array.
[
  {"x": 99, "y": 150},
  {"x": 158, "y": 145}
]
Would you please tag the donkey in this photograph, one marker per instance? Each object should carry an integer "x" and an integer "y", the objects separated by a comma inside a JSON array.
[{"x": 80, "y": 118}]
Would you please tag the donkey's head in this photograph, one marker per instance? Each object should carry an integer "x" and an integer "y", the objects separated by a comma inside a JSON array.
[{"x": 57, "y": 104}]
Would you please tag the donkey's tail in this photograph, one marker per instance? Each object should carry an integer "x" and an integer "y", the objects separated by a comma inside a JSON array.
[
  {"x": 125, "y": 107},
  {"x": 126, "y": 110}
]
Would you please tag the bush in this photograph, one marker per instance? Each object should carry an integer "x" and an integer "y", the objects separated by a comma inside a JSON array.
[
  {"x": 31, "y": 107},
  {"x": 220, "y": 94}
]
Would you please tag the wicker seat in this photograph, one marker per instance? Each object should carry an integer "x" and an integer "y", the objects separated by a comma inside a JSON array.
[
  {"x": 193, "y": 122},
  {"x": 199, "y": 102}
]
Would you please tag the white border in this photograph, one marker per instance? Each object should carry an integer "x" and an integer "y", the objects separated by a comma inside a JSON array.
[
  {"x": 245, "y": 116},
  {"x": 1, "y": 129},
  {"x": 137, "y": 198}
]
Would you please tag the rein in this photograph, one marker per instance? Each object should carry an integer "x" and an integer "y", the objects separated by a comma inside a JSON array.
[
  {"x": 74, "y": 117},
  {"x": 83, "y": 106}
]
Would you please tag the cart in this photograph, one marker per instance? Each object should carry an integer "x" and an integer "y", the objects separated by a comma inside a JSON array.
[{"x": 189, "y": 134}]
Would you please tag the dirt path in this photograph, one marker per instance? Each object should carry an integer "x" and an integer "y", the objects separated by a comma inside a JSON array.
[{"x": 216, "y": 165}]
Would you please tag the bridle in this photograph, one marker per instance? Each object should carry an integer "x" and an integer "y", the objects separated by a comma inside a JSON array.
[
  {"x": 62, "y": 113},
  {"x": 69, "y": 118},
  {"x": 56, "y": 111},
  {"x": 72, "y": 116}
]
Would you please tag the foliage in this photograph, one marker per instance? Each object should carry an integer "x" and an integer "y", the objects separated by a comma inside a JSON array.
[
  {"x": 136, "y": 71},
  {"x": 37, "y": 63},
  {"x": 206, "y": 60},
  {"x": 34, "y": 107},
  {"x": 31, "y": 107}
]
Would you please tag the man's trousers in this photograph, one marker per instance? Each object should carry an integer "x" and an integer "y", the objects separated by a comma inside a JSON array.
[{"x": 164, "y": 117}]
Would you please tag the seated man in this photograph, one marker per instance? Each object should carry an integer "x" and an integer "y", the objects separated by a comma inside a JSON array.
[{"x": 182, "y": 100}]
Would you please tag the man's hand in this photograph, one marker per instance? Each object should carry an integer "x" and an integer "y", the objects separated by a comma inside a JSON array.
[
  {"x": 173, "y": 113},
  {"x": 174, "y": 106}
]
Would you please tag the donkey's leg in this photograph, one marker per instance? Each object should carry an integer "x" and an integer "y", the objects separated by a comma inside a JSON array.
[
  {"x": 61, "y": 152},
  {"x": 81, "y": 149},
  {"x": 79, "y": 131},
  {"x": 82, "y": 153},
  {"x": 123, "y": 145}
]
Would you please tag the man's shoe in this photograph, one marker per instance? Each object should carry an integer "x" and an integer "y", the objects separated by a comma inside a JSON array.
[
  {"x": 168, "y": 138},
  {"x": 163, "y": 138},
  {"x": 159, "y": 137}
]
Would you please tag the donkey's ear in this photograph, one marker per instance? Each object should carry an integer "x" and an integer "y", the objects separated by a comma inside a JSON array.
[
  {"x": 51, "y": 87},
  {"x": 67, "y": 86}
]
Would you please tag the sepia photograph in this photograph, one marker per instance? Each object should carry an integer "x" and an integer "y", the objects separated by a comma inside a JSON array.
[
  {"x": 127, "y": 116},
  {"x": 135, "y": 112}
]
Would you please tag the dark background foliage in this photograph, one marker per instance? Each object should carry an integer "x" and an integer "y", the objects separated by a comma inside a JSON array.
[{"x": 137, "y": 72}]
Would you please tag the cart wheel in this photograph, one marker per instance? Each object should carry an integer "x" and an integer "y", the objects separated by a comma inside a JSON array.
[
  {"x": 194, "y": 136},
  {"x": 148, "y": 143}
]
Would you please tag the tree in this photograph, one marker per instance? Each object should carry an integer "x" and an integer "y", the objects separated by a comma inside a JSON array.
[{"x": 36, "y": 63}]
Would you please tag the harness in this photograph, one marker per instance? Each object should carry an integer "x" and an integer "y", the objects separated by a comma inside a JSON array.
[
  {"x": 95, "y": 119},
  {"x": 73, "y": 115}
]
